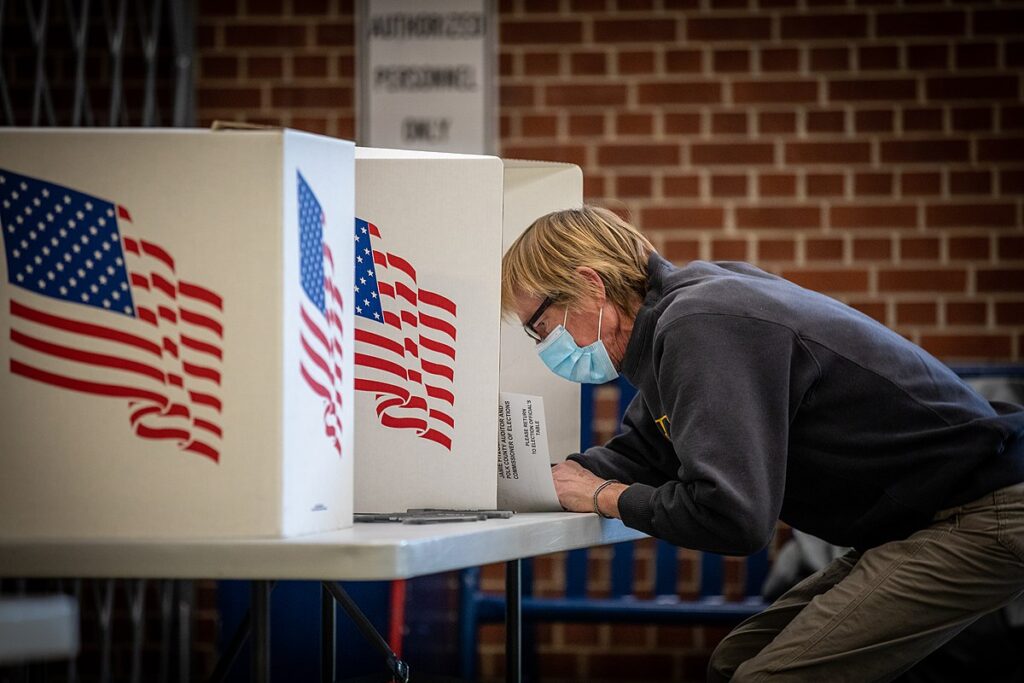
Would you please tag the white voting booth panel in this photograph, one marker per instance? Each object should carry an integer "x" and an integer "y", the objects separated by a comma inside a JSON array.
[
  {"x": 532, "y": 189},
  {"x": 427, "y": 377},
  {"x": 175, "y": 331},
  {"x": 428, "y": 259}
]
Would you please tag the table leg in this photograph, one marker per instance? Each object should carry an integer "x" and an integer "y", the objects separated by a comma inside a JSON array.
[
  {"x": 513, "y": 621},
  {"x": 260, "y": 631},
  {"x": 185, "y": 598},
  {"x": 399, "y": 669},
  {"x": 328, "y": 636}
]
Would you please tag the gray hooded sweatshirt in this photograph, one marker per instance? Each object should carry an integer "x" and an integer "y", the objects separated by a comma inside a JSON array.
[{"x": 760, "y": 400}]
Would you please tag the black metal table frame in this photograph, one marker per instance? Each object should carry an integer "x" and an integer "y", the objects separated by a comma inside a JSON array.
[{"x": 257, "y": 623}]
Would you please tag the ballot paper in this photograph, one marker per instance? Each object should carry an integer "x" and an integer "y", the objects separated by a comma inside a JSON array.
[{"x": 524, "y": 468}]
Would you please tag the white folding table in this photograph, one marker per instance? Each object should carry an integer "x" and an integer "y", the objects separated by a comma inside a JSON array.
[{"x": 372, "y": 551}]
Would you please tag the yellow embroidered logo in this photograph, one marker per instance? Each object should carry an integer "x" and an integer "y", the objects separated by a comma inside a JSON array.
[{"x": 664, "y": 423}]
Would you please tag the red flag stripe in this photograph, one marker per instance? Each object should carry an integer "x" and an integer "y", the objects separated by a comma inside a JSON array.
[
  {"x": 176, "y": 410},
  {"x": 205, "y": 399},
  {"x": 147, "y": 432},
  {"x": 440, "y": 394},
  {"x": 334, "y": 321},
  {"x": 86, "y": 357},
  {"x": 438, "y": 324},
  {"x": 201, "y": 346},
  {"x": 88, "y": 329},
  {"x": 203, "y": 449},
  {"x": 443, "y": 417},
  {"x": 147, "y": 315},
  {"x": 447, "y": 416},
  {"x": 402, "y": 290},
  {"x": 202, "y": 372},
  {"x": 437, "y": 347},
  {"x": 389, "y": 420},
  {"x": 179, "y": 410},
  {"x": 402, "y": 265},
  {"x": 194, "y": 291},
  {"x": 379, "y": 387},
  {"x": 369, "y": 361},
  {"x": 434, "y": 435},
  {"x": 143, "y": 412},
  {"x": 438, "y": 369},
  {"x": 164, "y": 285},
  {"x": 202, "y": 321},
  {"x": 158, "y": 253},
  {"x": 334, "y": 353},
  {"x": 332, "y": 289},
  {"x": 313, "y": 327},
  {"x": 208, "y": 426},
  {"x": 415, "y": 403},
  {"x": 317, "y": 388},
  {"x": 167, "y": 314},
  {"x": 314, "y": 356},
  {"x": 435, "y": 299},
  {"x": 97, "y": 388}
]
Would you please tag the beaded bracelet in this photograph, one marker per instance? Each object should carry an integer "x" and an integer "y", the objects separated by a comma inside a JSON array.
[{"x": 597, "y": 491}]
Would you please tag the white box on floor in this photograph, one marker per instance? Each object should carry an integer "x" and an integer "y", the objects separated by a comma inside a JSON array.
[
  {"x": 532, "y": 189},
  {"x": 428, "y": 329},
  {"x": 175, "y": 333}
]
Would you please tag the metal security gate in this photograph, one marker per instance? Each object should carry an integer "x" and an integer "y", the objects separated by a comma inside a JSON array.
[
  {"x": 97, "y": 63},
  {"x": 105, "y": 63}
]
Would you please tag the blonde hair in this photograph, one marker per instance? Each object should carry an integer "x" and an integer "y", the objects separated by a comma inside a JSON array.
[{"x": 542, "y": 262}]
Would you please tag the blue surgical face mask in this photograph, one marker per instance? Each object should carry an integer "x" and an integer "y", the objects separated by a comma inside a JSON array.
[{"x": 589, "y": 365}]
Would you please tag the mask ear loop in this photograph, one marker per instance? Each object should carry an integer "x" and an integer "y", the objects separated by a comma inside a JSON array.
[
  {"x": 600, "y": 316},
  {"x": 565, "y": 318}
]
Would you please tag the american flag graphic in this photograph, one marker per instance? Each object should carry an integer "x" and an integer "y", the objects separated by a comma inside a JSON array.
[
  {"x": 120, "y": 323},
  {"x": 405, "y": 342},
  {"x": 321, "y": 309}
]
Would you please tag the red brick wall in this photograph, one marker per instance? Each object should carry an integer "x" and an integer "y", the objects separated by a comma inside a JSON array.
[
  {"x": 870, "y": 149},
  {"x": 288, "y": 62},
  {"x": 872, "y": 152}
]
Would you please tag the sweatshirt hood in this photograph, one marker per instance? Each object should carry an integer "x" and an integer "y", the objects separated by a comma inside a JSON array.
[{"x": 636, "y": 360}]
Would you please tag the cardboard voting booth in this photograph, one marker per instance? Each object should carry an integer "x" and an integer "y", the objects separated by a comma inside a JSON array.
[
  {"x": 175, "y": 333},
  {"x": 428, "y": 259},
  {"x": 430, "y": 231}
]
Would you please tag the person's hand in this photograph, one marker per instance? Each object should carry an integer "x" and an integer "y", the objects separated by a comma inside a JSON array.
[{"x": 575, "y": 487}]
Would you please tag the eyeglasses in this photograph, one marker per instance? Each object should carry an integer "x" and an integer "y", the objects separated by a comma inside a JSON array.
[{"x": 528, "y": 325}]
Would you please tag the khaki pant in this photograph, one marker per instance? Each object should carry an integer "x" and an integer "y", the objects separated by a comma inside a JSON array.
[{"x": 870, "y": 616}]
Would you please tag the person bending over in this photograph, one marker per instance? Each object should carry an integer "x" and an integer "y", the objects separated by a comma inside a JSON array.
[{"x": 758, "y": 401}]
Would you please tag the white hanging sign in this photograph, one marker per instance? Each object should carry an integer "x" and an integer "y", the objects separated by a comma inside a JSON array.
[{"x": 426, "y": 75}]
